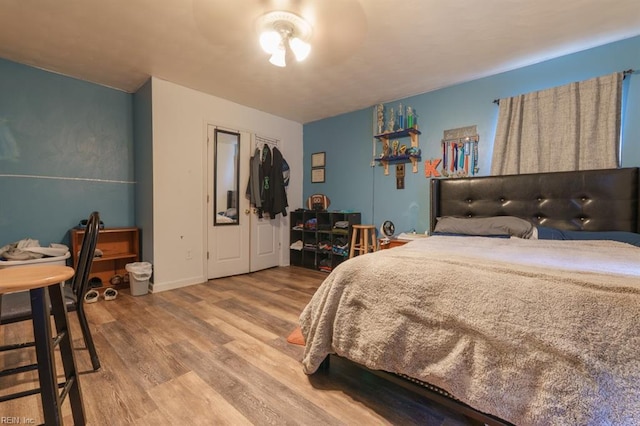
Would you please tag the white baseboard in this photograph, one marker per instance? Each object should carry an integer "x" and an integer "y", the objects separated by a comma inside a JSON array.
[{"x": 158, "y": 287}]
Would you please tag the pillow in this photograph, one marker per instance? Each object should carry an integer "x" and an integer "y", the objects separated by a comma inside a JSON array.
[
  {"x": 485, "y": 226},
  {"x": 632, "y": 238}
]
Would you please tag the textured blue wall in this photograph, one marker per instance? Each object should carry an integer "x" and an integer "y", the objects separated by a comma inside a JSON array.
[
  {"x": 352, "y": 184},
  {"x": 66, "y": 149}
]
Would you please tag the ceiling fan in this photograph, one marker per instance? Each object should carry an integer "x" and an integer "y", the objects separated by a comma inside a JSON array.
[{"x": 338, "y": 27}]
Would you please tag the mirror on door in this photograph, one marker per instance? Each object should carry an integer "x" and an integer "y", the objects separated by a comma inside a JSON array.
[{"x": 226, "y": 177}]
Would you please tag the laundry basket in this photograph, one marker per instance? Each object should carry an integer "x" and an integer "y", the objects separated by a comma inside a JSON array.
[
  {"x": 139, "y": 274},
  {"x": 55, "y": 260}
]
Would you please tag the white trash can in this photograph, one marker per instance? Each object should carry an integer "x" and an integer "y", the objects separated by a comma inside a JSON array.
[{"x": 139, "y": 274}]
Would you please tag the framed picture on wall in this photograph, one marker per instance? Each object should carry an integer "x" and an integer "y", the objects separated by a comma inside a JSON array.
[
  {"x": 318, "y": 159},
  {"x": 317, "y": 175}
]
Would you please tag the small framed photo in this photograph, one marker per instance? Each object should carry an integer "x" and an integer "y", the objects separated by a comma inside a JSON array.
[
  {"x": 318, "y": 159},
  {"x": 317, "y": 175}
]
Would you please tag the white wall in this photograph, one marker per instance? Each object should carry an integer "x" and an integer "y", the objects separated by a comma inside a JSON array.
[{"x": 180, "y": 116}]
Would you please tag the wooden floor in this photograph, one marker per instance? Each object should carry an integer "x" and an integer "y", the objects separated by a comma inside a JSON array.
[{"x": 216, "y": 353}]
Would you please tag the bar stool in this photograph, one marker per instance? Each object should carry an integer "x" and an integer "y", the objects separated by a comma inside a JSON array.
[
  {"x": 40, "y": 280},
  {"x": 363, "y": 239}
]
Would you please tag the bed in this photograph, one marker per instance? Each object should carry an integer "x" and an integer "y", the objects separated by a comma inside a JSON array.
[{"x": 507, "y": 330}]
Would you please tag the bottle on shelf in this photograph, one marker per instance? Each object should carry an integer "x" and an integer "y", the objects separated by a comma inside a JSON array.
[{"x": 410, "y": 117}]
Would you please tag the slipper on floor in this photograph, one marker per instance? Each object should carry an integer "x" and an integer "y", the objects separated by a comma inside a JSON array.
[
  {"x": 110, "y": 294},
  {"x": 91, "y": 296}
]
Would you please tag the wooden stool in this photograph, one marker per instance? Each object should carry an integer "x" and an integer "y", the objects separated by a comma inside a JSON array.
[
  {"x": 363, "y": 239},
  {"x": 40, "y": 280}
]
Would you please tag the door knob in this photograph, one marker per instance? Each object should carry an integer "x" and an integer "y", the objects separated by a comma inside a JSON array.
[{"x": 247, "y": 211}]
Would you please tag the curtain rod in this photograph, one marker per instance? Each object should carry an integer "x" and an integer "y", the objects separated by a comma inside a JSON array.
[{"x": 625, "y": 73}]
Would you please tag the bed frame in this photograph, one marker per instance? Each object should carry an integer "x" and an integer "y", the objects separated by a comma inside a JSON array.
[
  {"x": 593, "y": 200},
  {"x": 590, "y": 200}
]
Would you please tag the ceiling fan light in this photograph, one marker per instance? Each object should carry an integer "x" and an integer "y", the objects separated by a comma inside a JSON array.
[
  {"x": 300, "y": 48},
  {"x": 278, "y": 58},
  {"x": 285, "y": 36},
  {"x": 270, "y": 41}
]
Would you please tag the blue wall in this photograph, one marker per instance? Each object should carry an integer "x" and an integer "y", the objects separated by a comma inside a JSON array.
[
  {"x": 67, "y": 146},
  {"x": 352, "y": 184},
  {"x": 66, "y": 149}
]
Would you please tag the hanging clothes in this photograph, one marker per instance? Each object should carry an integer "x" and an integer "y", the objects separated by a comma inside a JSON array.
[
  {"x": 255, "y": 177},
  {"x": 266, "y": 191},
  {"x": 286, "y": 172},
  {"x": 268, "y": 179},
  {"x": 279, "y": 203}
]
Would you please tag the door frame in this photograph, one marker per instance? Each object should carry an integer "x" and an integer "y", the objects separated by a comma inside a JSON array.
[{"x": 282, "y": 221}]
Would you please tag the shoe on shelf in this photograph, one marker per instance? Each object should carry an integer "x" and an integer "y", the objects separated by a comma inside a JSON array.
[{"x": 95, "y": 282}]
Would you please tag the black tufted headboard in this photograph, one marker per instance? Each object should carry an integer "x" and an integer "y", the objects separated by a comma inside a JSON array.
[{"x": 589, "y": 200}]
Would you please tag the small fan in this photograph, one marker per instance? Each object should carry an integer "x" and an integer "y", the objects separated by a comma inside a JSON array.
[{"x": 387, "y": 229}]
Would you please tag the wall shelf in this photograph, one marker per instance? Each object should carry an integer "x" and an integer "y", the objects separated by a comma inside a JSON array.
[
  {"x": 413, "y": 132},
  {"x": 387, "y": 156}
]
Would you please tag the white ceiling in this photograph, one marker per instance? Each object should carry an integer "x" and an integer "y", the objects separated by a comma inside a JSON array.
[{"x": 364, "y": 52}]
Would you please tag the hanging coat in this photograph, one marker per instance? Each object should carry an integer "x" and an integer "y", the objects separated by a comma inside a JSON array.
[
  {"x": 255, "y": 178},
  {"x": 266, "y": 191},
  {"x": 279, "y": 202}
]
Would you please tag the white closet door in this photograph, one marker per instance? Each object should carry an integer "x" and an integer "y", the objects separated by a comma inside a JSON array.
[
  {"x": 265, "y": 232},
  {"x": 265, "y": 242},
  {"x": 247, "y": 243},
  {"x": 228, "y": 236}
]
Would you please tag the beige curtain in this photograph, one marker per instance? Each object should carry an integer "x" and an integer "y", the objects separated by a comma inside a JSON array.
[{"x": 571, "y": 127}]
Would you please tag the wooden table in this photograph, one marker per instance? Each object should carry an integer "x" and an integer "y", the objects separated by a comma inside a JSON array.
[{"x": 38, "y": 280}]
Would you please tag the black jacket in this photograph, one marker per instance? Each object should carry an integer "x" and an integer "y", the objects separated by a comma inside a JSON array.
[{"x": 279, "y": 201}]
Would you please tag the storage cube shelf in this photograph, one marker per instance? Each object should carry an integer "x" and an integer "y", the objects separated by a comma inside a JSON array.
[
  {"x": 316, "y": 241},
  {"x": 119, "y": 246}
]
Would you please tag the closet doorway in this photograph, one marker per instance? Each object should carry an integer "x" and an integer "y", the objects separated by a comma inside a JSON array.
[{"x": 238, "y": 241}]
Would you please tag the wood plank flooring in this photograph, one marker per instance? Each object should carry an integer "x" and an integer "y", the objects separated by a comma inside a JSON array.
[{"x": 216, "y": 354}]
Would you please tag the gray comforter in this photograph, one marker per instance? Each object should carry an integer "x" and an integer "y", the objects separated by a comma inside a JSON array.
[{"x": 534, "y": 332}]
